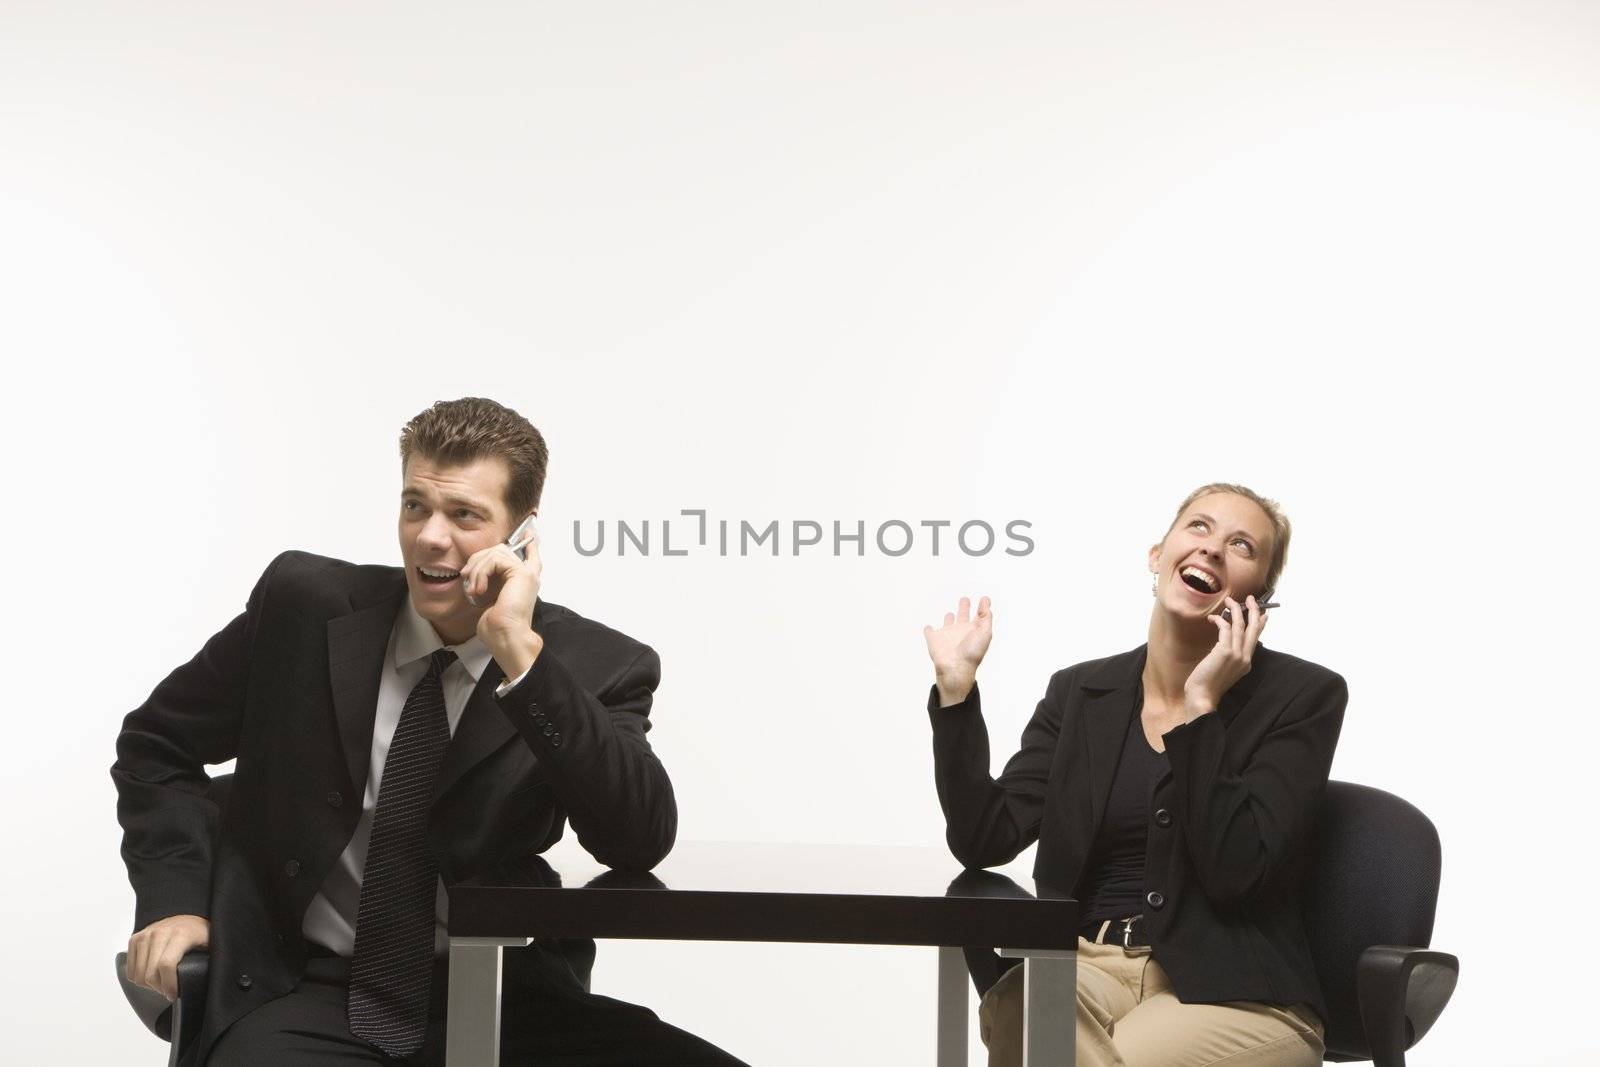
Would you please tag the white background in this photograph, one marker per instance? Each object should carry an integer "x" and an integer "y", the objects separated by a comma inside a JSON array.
[{"x": 863, "y": 260}]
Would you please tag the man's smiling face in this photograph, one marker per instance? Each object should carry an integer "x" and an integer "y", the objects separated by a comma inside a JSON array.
[{"x": 448, "y": 512}]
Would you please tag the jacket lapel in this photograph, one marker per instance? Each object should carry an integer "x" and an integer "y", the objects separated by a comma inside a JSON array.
[
  {"x": 1112, "y": 691},
  {"x": 356, "y": 646},
  {"x": 483, "y": 728}
]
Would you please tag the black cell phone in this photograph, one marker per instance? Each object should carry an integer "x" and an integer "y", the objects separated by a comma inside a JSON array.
[{"x": 1227, "y": 613}]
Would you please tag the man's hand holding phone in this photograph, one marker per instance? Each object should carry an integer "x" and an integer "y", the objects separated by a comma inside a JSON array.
[{"x": 506, "y": 578}]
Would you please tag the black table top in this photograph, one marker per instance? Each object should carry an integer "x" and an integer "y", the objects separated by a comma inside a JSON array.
[{"x": 845, "y": 894}]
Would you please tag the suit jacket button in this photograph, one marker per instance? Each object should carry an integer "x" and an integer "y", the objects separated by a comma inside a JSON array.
[
  {"x": 555, "y": 740},
  {"x": 291, "y": 868},
  {"x": 335, "y": 799},
  {"x": 1155, "y": 900},
  {"x": 549, "y": 731},
  {"x": 1163, "y": 817},
  {"x": 244, "y": 981}
]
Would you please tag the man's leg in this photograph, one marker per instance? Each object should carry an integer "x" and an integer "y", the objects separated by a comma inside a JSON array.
[
  {"x": 548, "y": 1019},
  {"x": 308, "y": 1026},
  {"x": 601, "y": 1032}
]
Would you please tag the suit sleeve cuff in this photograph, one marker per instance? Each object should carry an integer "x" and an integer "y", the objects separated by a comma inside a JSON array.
[
  {"x": 1188, "y": 741},
  {"x": 536, "y": 702},
  {"x": 164, "y": 899},
  {"x": 968, "y": 704},
  {"x": 508, "y": 684}
]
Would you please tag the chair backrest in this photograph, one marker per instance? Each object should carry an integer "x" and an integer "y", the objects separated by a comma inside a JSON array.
[{"x": 1374, "y": 881}]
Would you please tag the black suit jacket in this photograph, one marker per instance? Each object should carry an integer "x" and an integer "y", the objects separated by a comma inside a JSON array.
[
  {"x": 1230, "y": 831},
  {"x": 290, "y": 688}
]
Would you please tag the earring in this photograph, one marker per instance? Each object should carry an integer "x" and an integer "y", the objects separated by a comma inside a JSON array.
[{"x": 1153, "y": 586}]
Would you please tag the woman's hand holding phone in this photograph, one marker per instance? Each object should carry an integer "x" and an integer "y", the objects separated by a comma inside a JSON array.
[
  {"x": 958, "y": 647},
  {"x": 1229, "y": 658}
]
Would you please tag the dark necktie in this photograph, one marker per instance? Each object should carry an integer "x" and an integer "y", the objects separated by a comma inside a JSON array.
[{"x": 391, "y": 967}]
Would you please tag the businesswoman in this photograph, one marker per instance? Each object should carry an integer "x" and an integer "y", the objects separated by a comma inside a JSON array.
[{"x": 1173, "y": 789}]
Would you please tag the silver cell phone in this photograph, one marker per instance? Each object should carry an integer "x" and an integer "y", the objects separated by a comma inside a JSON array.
[{"x": 521, "y": 534}]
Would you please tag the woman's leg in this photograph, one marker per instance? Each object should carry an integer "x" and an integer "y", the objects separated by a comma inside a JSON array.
[
  {"x": 1108, "y": 987},
  {"x": 1165, "y": 1032}
]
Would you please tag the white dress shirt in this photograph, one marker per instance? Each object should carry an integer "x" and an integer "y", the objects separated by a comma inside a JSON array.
[{"x": 331, "y": 918}]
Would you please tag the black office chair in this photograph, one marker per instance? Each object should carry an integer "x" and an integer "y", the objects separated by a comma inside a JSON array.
[
  {"x": 179, "y": 1021},
  {"x": 1369, "y": 918}
]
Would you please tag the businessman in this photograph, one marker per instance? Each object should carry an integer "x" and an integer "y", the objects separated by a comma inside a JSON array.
[{"x": 395, "y": 729}]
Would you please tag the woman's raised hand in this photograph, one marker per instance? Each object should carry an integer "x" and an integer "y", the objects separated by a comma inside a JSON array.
[{"x": 957, "y": 648}]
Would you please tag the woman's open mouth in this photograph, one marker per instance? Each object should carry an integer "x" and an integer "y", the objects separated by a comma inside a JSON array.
[{"x": 1200, "y": 580}]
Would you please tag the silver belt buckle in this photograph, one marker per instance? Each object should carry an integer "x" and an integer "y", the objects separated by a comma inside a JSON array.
[{"x": 1127, "y": 930}]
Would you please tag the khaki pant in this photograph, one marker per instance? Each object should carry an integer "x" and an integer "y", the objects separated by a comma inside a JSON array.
[{"x": 1128, "y": 1016}]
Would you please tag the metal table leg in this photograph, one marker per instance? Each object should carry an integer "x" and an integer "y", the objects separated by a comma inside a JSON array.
[
  {"x": 1049, "y": 1007},
  {"x": 472, "y": 1027},
  {"x": 952, "y": 1041}
]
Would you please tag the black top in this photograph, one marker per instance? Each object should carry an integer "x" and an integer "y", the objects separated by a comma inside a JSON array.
[
  {"x": 1113, "y": 888},
  {"x": 1225, "y": 875}
]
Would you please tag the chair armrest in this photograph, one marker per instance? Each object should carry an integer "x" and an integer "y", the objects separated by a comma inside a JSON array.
[
  {"x": 194, "y": 972},
  {"x": 1402, "y": 991},
  {"x": 161, "y": 1016},
  {"x": 153, "y": 1009}
]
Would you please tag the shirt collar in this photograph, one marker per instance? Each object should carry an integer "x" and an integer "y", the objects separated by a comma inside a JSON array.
[{"x": 417, "y": 639}]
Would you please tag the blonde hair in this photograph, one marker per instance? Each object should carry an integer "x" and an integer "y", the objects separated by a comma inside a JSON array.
[{"x": 1280, "y": 525}]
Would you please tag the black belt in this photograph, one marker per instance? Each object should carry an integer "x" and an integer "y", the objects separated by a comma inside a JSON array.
[{"x": 1129, "y": 932}]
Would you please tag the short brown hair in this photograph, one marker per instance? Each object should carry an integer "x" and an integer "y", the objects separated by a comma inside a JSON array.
[
  {"x": 472, "y": 428},
  {"x": 1280, "y": 525}
]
